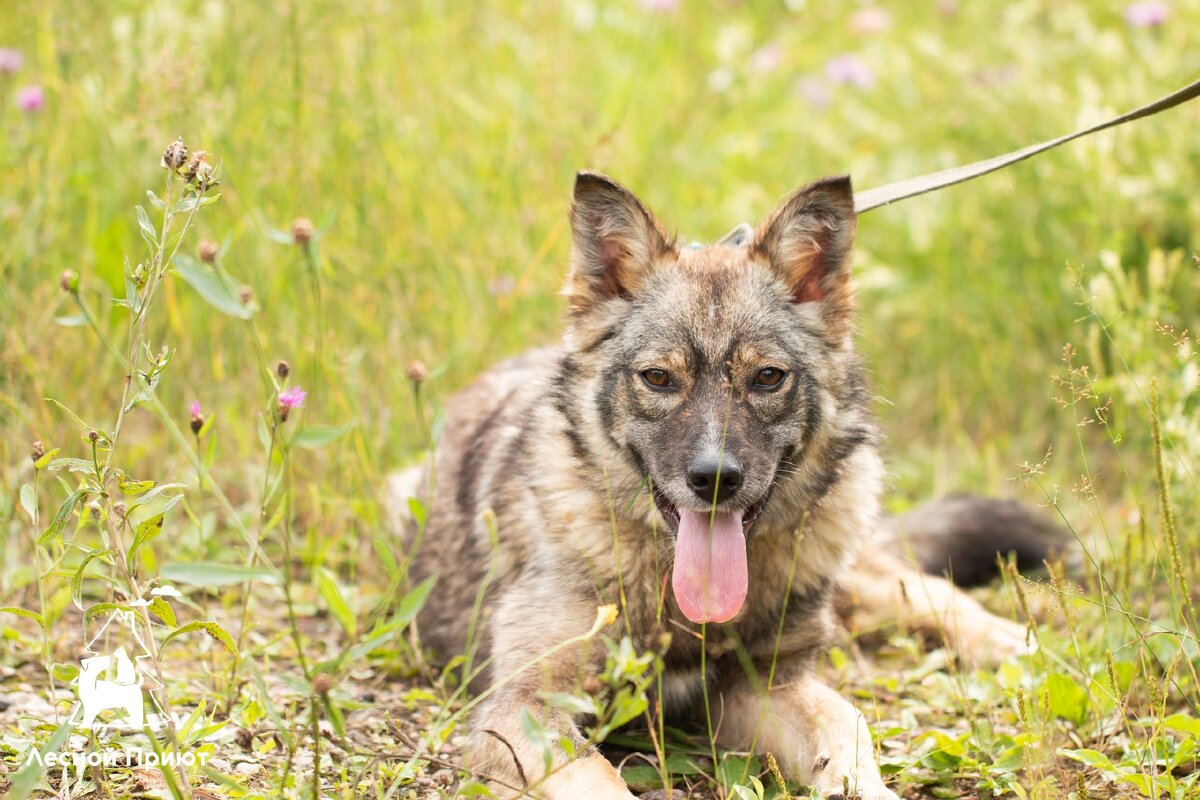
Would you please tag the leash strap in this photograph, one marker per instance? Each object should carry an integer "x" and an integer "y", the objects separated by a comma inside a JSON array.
[{"x": 902, "y": 190}]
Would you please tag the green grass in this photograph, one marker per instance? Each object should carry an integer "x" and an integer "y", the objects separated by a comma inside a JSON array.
[{"x": 434, "y": 145}]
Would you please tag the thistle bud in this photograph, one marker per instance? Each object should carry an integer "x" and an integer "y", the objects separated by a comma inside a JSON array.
[
  {"x": 417, "y": 372},
  {"x": 283, "y": 369},
  {"x": 302, "y": 230},
  {"x": 207, "y": 250},
  {"x": 69, "y": 281},
  {"x": 197, "y": 417},
  {"x": 37, "y": 451},
  {"x": 176, "y": 155}
]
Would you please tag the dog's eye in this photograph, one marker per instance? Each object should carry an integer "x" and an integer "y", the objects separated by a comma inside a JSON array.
[
  {"x": 657, "y": 378},
  {"x": 769, "y": 378}
]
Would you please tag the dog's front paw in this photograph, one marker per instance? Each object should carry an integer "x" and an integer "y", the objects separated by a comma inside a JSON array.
[
  {"x": 987, "y": 642},
  {"x": 863, "y": 788}
]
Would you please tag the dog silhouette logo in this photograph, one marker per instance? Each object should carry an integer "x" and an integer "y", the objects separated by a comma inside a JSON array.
[{"x": 114, "y": 680}]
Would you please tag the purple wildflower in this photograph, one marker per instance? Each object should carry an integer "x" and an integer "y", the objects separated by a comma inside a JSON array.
[
  {"x": 31, "y": 98},
  {"x": 815, "y": 91},
  {"x": 850, "y": 70},
  {"x": 10, "y": 60},
  {"x": 289, "y": 399},
  {"x": 867, "y": 21},
  {"x": 197, "y": 416},
  {"x": 767, "y": 58},
  {"x": 1148, "y": 14}
]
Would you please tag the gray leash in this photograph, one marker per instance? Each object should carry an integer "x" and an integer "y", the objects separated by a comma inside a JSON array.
[{"x": 902, "y": 190}]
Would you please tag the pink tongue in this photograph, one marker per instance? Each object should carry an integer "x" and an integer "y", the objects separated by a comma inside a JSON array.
[{"x": 710, "y": 575}]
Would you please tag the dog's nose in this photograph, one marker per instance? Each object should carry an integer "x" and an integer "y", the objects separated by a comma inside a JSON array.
[{"x": 714, "y": 479}]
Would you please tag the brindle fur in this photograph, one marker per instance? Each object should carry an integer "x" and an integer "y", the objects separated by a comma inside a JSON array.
[{"x": 563, "y": 445}]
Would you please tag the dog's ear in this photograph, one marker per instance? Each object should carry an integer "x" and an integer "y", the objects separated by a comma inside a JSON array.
[
  {"x": 617, "y": 242},
  {"x": 807, "y": 242}
]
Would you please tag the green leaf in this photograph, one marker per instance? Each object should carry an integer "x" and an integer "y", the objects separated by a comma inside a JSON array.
[
  {"x": 1068, "y": 700},
  {"x": 77, "y": 578},
  {"x": 147, "y": 228},
  {"x": 30, "y": 775},
  {"x": 135, "y": 487},
  {"x": 147, "y": 530},
  {"x": 45, "y": 459},
  {"x": 24, "y": 612},
  {"x": 62, "y": 517},
  {"x": 215, "y": 287},
  {"x": 160, "y": 608},
  {"x": 100, "y": 608},
  {"x": 72, "y": 465},
  {"x": 211, "y": 628},
  {"x": 29, "y": 501},
  {"x": 332, "y": 595},
  {"x": 313, "y": 437},
  {"x": 72, "y": 321},
  {"x": 414, "y": 601},
  {"x": 205, "y": 573},
  {"x": 418, "y": 511},
  {"x": 1092, "y": 758}
]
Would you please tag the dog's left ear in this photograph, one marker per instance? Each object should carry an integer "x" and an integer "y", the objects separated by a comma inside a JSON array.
[
  {"x": 807, "y": 242},
  {"x": 617, "y": 243}
]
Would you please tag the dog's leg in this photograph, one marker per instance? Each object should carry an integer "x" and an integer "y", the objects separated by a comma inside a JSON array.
[
  {"x": 881, "y": 590},
  {"x": 531, "y": 619},
  {"x": 817, "y": 737}
]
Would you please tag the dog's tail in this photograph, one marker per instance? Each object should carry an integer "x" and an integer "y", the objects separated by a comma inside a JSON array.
[{"x": 961, "y": 535}]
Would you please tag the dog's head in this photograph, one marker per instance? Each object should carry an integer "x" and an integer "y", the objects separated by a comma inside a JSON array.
[{"x": 712, "y": 367}]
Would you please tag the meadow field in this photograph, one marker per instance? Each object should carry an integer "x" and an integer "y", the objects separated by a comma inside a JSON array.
[{"x": 382, "y": 206}]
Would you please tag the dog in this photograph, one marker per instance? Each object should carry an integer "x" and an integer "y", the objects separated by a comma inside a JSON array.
[{"x": 699, "y": 452}]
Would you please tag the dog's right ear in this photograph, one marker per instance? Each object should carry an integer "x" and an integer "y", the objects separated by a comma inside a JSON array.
[{"x": 616, "y": 243}]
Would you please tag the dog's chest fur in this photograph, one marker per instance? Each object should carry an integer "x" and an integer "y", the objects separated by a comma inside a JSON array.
[{"x": 571, "y": 517}]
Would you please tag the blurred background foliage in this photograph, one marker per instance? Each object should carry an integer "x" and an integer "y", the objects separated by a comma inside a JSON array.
[{"x": 434, "y": 143}]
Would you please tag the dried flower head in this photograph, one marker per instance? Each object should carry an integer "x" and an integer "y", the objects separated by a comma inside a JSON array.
[
  {"x": 93, "y": 436},
  {"x": 302, "y": 230},
  {"x": 69, "y": 281},
  {"x": 283, "y": 369},
  {"x": 37, "y": 451},
  {"x": 207, "y": 250},
  {"x": 199, "y": 172},
  {"x": 290, "y": 399},
  {"x": 417, "y": 371},
  {"x": 175, "y": 156},
  {"x": 197, "y": 416},
  {"x": 322, "y": 684},
  {"x": 120, "y": 510}
]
